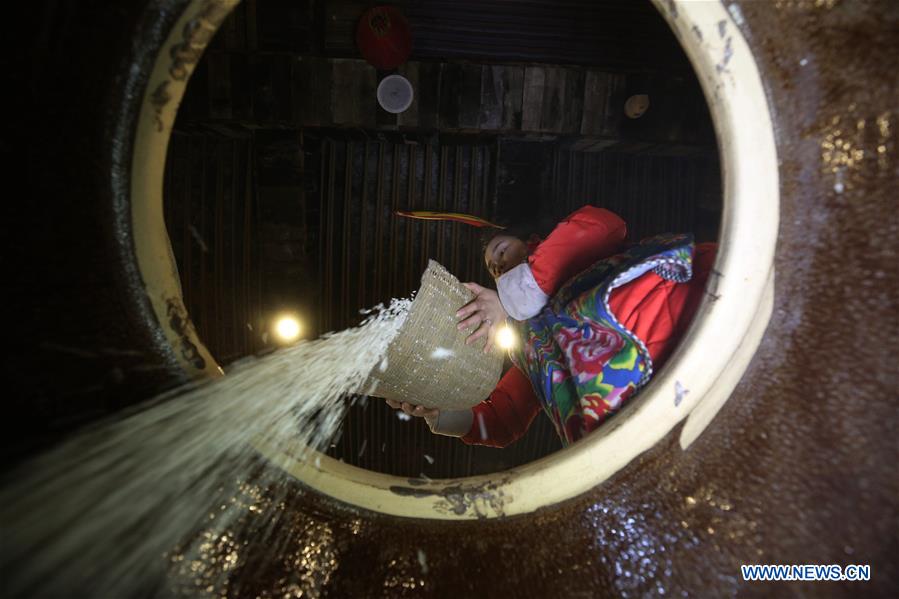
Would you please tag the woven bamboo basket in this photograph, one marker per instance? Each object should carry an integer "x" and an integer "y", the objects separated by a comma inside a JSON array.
[{"x": 428, "y": 362}]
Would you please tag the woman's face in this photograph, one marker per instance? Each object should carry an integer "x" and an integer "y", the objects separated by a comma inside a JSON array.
[{"x": 503, "y": 253}]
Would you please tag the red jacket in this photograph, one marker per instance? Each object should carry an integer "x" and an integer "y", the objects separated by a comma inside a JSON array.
[{"x": 658, "y": 311}]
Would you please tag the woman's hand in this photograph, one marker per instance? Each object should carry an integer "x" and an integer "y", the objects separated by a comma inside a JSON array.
[
  {"x": 485, "y": 313},
  {"x": 413, "y": 410}
]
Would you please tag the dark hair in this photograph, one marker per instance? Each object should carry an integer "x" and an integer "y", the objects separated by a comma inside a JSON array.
[
  {"x": 522, "y": 228},
  {"x": 523, "y": 231}
]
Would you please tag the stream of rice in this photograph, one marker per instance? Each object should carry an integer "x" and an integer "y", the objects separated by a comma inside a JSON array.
[{"x": 103, "y": 509}]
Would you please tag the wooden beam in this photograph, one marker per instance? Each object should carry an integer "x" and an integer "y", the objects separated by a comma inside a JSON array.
[{"x": 532, "y": 103}]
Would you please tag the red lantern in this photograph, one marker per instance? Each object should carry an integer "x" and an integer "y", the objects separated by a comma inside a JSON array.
[{"x": 383, "y": 37}]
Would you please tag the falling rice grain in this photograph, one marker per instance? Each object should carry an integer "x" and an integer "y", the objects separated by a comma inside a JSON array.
[
  {"x": 482, "y": 426},
  {"x": 423, "y": 562},
  {"x": 96, "y": 514}
]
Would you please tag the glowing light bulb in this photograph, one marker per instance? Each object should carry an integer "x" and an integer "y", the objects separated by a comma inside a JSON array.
[
  {"x": 287, "y": 328},
  {"x": 505, "y": 337}
]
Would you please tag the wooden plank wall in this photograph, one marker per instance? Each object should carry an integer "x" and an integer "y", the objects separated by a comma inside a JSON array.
[
  {"x": 211, "y": 217},
  {"x": 509, "y": 99},
  {"x": 620, "y": 35},
  {"x": 295, "y": 64},
  {"x": 374, "y": 255}
]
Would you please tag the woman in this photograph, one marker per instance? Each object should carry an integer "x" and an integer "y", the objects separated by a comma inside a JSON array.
[{"x": 594, "y": 318}]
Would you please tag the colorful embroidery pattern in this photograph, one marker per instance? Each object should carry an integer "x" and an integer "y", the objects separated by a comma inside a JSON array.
[{"x": 583, "y": 364}]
